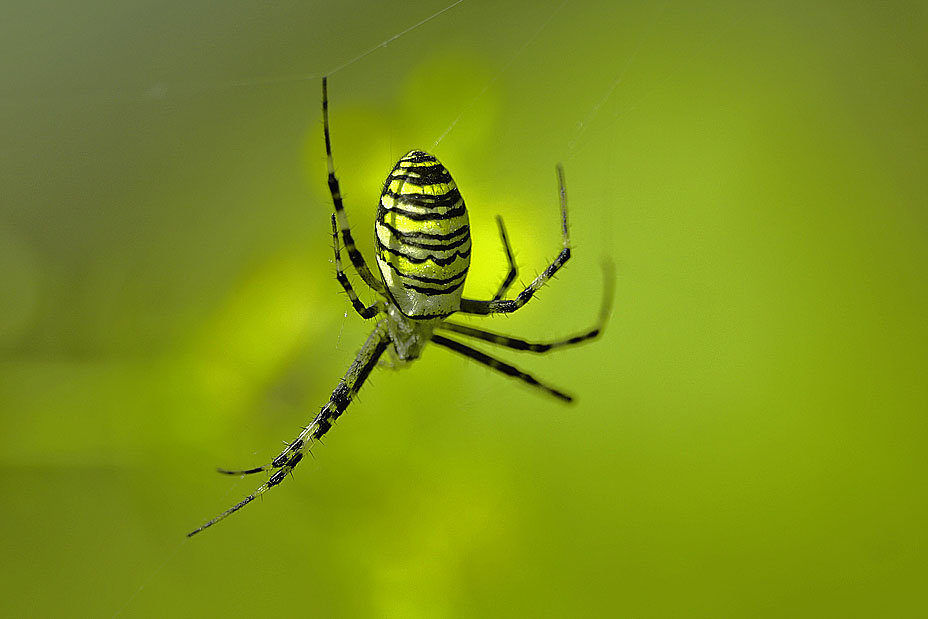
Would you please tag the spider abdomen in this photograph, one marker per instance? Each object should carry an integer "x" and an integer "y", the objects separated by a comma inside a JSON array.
[{"x": 422, "y": 237}]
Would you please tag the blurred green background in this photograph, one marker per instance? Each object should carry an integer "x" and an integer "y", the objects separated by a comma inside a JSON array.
[{"x": 749, "y": 434}]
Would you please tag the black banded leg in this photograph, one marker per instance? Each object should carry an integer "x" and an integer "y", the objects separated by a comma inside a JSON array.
[
  {"x": 513, "y": 271},
  {"x": 506, "y": 306},
  {"x": 341, "y": 397},
  {"x": 356, "y": 258},
  {"x": 499, "y": 366},
  {"x": 365, "y": 312},
  {"x": 516, "y": 343},
  {"x": 543, "y": 347}
]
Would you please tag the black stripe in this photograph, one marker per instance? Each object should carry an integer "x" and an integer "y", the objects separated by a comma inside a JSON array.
[
  {"x": 441, "y": 238},
  {"x": 447, "y": 246},
  {"x": 437, "y": 175},
  {"x": 433, "y": 292},
  {"x": 442, "y": 262},
  {"x": 424, "y": 199},
  {"x": 438, "y": 281},
  {"x": 449, "y": 214}
]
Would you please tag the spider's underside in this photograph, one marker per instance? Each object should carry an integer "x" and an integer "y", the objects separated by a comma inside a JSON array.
[{"x": 423, "y": 245}]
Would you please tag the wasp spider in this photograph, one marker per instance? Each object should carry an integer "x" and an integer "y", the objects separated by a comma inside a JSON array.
[{"x": 423, "y": 253}]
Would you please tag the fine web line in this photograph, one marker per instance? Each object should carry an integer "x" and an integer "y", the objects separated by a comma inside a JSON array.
[
  {"x": 629, "y": 60},
  {"x": 284, "y": 79},
  {"x": 301, "y": 77},
  {"x": 595, "y": 108},
  {"x": 161, "y": 90},
  {"x": 167, "y": 560},
  {"x": 500, "y": 72},
  {"x": 157, "y": 571},
  {"x": 656, "y": 84},
  {"x": 706, "y": 43},
  {"x": 389, "y": 40}
]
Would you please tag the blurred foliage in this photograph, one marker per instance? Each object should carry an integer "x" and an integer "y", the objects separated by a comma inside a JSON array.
[{"x": 749, "y": 434}]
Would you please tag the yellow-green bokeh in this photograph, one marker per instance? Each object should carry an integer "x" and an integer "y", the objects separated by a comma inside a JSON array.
[{"x": 749, "y": 434}]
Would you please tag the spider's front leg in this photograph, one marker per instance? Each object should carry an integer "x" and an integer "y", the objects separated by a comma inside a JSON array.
[
  {"x": 499, "y": 305},
  {"x": 356, "y": 258},
  {"x": 354, "y": 378}
]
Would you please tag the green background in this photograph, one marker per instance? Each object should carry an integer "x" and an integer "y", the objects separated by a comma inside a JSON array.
[{"x": 748, "y": 439}]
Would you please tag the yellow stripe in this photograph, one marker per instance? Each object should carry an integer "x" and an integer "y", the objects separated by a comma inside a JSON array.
[
  {"x": 429, "y": 226},
  {"x": 385, "y": 236},
  {"x": 404, "y": 163},
  {"x": 390, "y": 203},
  {"x": 406, "y": 187},
  {"x": 428, "y": 268}
]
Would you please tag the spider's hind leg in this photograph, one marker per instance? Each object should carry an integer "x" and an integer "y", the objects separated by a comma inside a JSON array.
[
  {"x": 542, "y": 347},
  {"x": 499, "y": 366},
  {"x": 341, "y": 397},
  {"x": 356, "y": 258}
]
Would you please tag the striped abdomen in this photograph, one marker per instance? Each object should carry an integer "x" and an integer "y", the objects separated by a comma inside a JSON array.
[{"x": 423, "y": 237}]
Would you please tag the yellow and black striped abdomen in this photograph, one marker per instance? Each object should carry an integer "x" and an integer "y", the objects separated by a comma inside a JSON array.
[{"x": 423, "y": 237}]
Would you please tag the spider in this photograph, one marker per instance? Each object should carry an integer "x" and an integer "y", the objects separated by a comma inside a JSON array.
[{"x": 423, "y": 253}]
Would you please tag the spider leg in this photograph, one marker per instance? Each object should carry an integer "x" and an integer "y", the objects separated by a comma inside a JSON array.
[
  {"x": 506, "y": 306},
  {"x": 542, "y": 347},
  {"x": 349, "y": 385},
  {"x": 513, "y": 271},
  {"x": 356, "y": 258},
  {"x": 499, "y": 366},
  {"x": 365, "y": 312}
]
